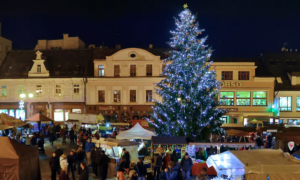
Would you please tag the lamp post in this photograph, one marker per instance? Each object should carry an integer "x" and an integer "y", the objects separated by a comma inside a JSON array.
[{"x": 22, "y": 99}]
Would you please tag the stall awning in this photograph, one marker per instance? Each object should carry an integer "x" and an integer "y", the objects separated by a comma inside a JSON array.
[
  {"x": 136, "y": 132},
  {"x": 39, "y": 118},
  {"x": 168, "y": 140},
  {"x": 225, "y": 144},
  {"x": 117, "y": 142}
]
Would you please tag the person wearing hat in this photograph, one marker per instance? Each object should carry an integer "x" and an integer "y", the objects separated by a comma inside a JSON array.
[{"x": 186, "y": 165}]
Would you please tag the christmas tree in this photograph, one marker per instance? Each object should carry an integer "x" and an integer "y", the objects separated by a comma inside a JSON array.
[{"x": 189, "y": 90}]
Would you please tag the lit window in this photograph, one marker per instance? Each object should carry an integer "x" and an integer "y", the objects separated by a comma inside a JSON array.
[
  {"x": 58, "y": 89},
  {"x": 3, "y": 90},
  {"x": 259, "y": 98},
  {"x": 12, "y": 113},
  {"x": 226, "y": 98},
  {"x": 226, "y": 75},
  {"x": 76, "y": 110},
  {"x": 245, "y": 121},
  {"x": 148, "y": 95},
  {"x": 5, "y": 111},
  {"x": 149, "y": 70},
  {"x": 67, "y": 114},
  {"x": 285, "y": 103},
  {"x": 116, "y": 70},
  {"x": 117, "y": 96},
  {"x": 20, "y": 114},
  {"x": 58, "y": 114},
  {"x": 132, "y": 95},
  {"x": 101, "y": 96},
  {"x": 298, "y": 104},
  {"x": 20, "y": 89},
  {"x": 76, "y": 89},
  {"x": 39, "y": 69},
  {"x": 100, "y": 70},
  {"x": 243, "y": 98},
  {"x": 223, "y": 119},
  {"x": 39, "y": 90},
  {"x": 243, "y": 75}
]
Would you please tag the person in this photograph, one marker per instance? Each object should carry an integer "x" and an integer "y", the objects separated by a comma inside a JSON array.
[
  {"x": 93, "y": 158},
  {"x": 126, "y": 155},
  {"x": 63, "y": 175},
  {"x": 186, "y": 165},
  {"x": 157, "y": 163},
  {"x": 58, "y": 153},
  {"x": 88, "y": 147},
  {"x": 71, "y": 164},
  {"x": 97, "y": 135},
  {"x": 173, "y": 175},
  {"x": 52, "y": 137},
  {"x": 120, "y": 174},
  {"x": 63, "y": 161},
  {"x": 63, "y": 136},
  {"x": 133, "y": 175},
  {"x": 41, "y": 146},
  {"x": 67, "y": 131},
  {"x": 141, "y": 169},
  {"x": 33, "y": 141},
  {"x": 166, "y": 160},
  {"x": 149, "y": 176},
  {"x": 203, "y": 174},
  {"x": 85, "y": 172},
  {"x": 28, "y": 140},
  {"x": 54, "y": 165},
  {"x": 174, "y": 157},
  {"x": 89, "y": 131},
  {"x": 18, "y": 137},
  {"x": 80, "y": 158},
  {"x": 103, "y": 166},
  {"x": 71, "y": 136}
]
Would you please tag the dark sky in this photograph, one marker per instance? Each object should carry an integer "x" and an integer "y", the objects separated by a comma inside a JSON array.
[{"x": 236, "y": 28}]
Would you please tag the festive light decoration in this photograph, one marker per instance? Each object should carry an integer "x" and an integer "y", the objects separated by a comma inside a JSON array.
[{"x": 190, "y": 89}]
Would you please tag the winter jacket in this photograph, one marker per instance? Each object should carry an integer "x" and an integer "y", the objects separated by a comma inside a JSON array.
[
  {"x": 63, "y": 163},
  {"x": 88, "y": 146},
  {"x": 33, "y": 141},
  {"x": 141, "y": 169},
  {"x": 84, "y": 174},
  {"x": 93, "y": 157},
  {"x": 173, "y": 175},
  {"x": 127, "y": 157},
  {"x": 186, "y": 164},
  {"x": 174, "y": 158},
  {"x": 71, "y": 159},
  {"x": 103, "y": 163},
  {"x": 80, "y": 156},
  {"x": 54, "y": 162},
  {"x": 166, "y": 161},
  {"x": 157, "y": 160},
  {"x": 71, "y": 134}
]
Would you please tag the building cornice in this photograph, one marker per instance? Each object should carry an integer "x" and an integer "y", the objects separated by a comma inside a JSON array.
[{"x": 142, "y": 79}]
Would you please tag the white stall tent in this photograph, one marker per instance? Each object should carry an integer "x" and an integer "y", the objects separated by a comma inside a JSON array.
[
  {"x": 136, "y": 132},
  {"x": 256, "y": 164}
]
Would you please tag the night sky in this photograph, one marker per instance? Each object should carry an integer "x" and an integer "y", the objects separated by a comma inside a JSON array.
[{"x": 236, "y": 28}]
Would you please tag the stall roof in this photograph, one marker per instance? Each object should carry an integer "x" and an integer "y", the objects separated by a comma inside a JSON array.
[
  {"x": 136, "y": 132},
  {"x": 168, "y": 140},
  {"x": 117, "y": 142},
  {"x": 39, "y": 118}
]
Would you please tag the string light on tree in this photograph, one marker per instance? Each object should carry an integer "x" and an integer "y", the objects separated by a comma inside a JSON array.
[{"x": 189, "y": 90}]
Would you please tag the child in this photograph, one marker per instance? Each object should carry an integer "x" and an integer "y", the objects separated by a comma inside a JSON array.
[{"x": 203, "y": 175}]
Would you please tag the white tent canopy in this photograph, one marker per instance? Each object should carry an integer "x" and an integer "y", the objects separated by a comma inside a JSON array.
[
  {"x": 256, "y": 164},
  {"x": 136, "y": 132}
]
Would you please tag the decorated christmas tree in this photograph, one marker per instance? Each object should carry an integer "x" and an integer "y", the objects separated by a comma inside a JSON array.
[{"x": 189, "y": 90}]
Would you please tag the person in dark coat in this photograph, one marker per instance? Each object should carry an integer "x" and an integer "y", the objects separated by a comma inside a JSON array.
[
  {"x": 157, "y": 163},
  {"x": 174, "y": 157},
  {"x": 85, "y": 172},
  {"x": 71, "y": 164},
  {"x": 71, "y": 135},
  {"x": 41, "y": 145},
  {"x": 186, "y": 165},
  {"x": 94, "y": 158},
  {"x": 58, "y": 153},
  {"x": 54, "y": 165},
  {"x": 126, "y": 155},
  {"x": 103, "y": 165},
  {"x": 141, "y": 169},
  {"x": 80, "y": 158},
  {"x": 33, "y": 141}
]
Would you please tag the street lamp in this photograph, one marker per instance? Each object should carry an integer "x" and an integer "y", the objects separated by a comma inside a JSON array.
[{"x": 23, "y": 97}]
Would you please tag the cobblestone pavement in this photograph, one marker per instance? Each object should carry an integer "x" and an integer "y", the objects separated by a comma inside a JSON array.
[{"x": 49, "y": 149}]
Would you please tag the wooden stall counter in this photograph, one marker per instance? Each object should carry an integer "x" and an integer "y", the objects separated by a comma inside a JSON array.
[{"x": 112, "y": 164}]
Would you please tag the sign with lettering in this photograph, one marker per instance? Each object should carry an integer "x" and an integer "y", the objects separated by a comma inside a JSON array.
[
  {"x": 106, "y": 108},
  {"x": 231, "y": 109},
  {"x": 231, "y": 84}
]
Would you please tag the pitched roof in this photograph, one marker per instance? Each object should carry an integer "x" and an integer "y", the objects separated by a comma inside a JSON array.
[{"x": 59, "y": 63}]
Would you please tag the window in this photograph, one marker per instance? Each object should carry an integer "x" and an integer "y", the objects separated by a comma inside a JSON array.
[
  {"x": 226, "y": 98},
  {"x": 20, "y": 114},
  {"x": 298, "y": 104},
  {"x": 285, "y": 103},
  {"x": 3, "y": 90},
  {"x": 132, "y": 70},
  {"x": 20, "y": 89},
  {"x": 67, "y": 114},
  {"x": 58, "y": 114},
  {"x": 243, "y": 98},
  {"x": 12, "y": 113},
  {"x": 76, "y": 111},
  {"x": 226, "y": 75},
  {"x": 235, "y": 121},
  {"x": 117, "y": 96},
  {"x": 223, "y": 119},
  {"x": 132, "y": 95},
  {"x": 38, "y": 70},
  {"x": 100, "y": 70},
  {"x": 116, "y": 70},
  {"x": 39, "y": 90},
  {"x": 259, "y": 98},
  {"x": 149, "y": 70},
  {"x": 76, "y": 88},
  {"x": 5, "y": 111},
  {"x": 101, "y": 96},
  {"x": 58, "y": 89},
  {"x": 245, "y": 121},
  {"x": 243, "y": 75},
  {"x": 148, "y": 95}
]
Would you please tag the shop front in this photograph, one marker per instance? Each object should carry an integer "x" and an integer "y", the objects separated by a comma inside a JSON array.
[
  {"x": 60, "y": 111},
  {"x": 12, "y": 109}
]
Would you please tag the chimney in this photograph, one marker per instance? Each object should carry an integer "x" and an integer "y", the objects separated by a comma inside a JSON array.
[
  {"x": 118, "y": 46},
  {"x": 66, "y": 36},
  {"x": 0, "y": 29},
  {"x": 150, "y": 46}
]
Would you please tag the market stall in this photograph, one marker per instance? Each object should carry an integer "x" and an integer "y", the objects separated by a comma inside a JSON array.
[
  {"x": 136, "y": 132},
  {"x": 39, "y": 119},
  {"x": 113, "y": 148},
  {"x": 256, "y": 164}
]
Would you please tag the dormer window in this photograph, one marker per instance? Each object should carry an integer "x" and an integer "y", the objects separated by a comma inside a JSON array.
[
  {"x": 58, "y": 89},
  {"x": 39, "y": 69}
]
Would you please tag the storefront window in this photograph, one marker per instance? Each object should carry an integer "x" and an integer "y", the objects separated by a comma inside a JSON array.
[
  {"x": 5, "y": 111},
  {"x": 298, "y": 104},
  {"x": 294, "y": 121},
  {"x": 285, "y": 103},
  {"x": 20, "y": 114},
  {"x": 223, "y": 119},
  {"x": 117, "y": 96},
  {"x": 243, "y": 98},
  {"x": 226, "y": 98},
  {"x": 58, "y": 114},
  {"x": 245, "y": 121},
  {"x": 12, "y": 113},
  {"x": 76, "y": 110},
  {"x": 259, "y": 98}
]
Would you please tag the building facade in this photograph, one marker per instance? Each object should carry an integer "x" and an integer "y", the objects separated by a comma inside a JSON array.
[
  {"x": 65, "y": 43},
  {"x": 5, "y": 46},
  {"x": 52, "y": 81},
  {"x": 123, "y": 85}
]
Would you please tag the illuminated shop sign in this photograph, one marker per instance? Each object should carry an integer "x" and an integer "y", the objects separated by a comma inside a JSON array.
[{"x": 231, "y": 84}]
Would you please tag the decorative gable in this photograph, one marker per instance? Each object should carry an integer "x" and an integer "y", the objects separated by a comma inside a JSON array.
[{"x": 38, "y": 69}]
